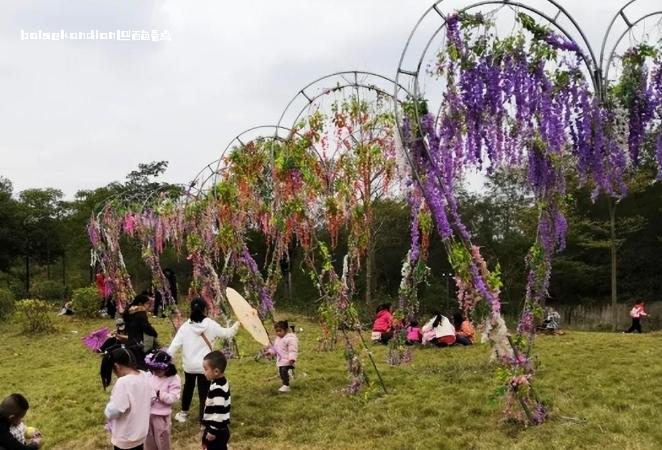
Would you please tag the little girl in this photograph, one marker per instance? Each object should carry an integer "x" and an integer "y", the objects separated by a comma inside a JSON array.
[
  {"x": 128, "y": 410},
  {"x": 413, "y": 333},
  {"x": 286, "y": 349},
  {"x": 167, "y": 385}
]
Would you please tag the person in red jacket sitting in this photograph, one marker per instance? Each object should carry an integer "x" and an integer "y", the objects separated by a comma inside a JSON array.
[{"x": 382, "y": 327}]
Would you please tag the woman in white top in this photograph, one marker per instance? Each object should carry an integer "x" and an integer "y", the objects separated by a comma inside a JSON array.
[
  {"x": 439, "y": 331},
  {"x": 196, "y": 338}
]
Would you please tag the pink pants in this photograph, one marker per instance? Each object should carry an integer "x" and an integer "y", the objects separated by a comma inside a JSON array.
[{"x": 158, "y": 437}]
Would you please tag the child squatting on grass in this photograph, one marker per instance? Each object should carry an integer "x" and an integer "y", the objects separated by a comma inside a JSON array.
[
  {"x": 167, "y": 385},
  {"x": 286, "y": 350},
  {"x": 14, "y": 435},
  {"x": 216, "y": 414},
  {"x": 128, "y": 411}
]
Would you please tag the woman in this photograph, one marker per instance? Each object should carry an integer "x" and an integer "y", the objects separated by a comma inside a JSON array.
[
  {"x": 382, "y": 327},
  {"x": 196, "y": 338},
  {"x": 140, "y": 335},
  {"x": 439, "y": 331}
]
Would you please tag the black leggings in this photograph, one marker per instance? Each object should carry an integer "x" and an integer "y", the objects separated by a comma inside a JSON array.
[
  {"x": 189, "y": 386},
  {"x": 636, "y": 326},
  {"x": 220, "y": 443},
  {"x": 140, "y": 447},
  {"x": 284, "y": 375}
]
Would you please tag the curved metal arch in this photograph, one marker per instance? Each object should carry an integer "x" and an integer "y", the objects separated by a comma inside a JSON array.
[
  {"x": 606, "y": 61},
  {"x": 355, "y": 83},
  {"x": 590, "y": 61},
  {"x": 212, "y": 170}
]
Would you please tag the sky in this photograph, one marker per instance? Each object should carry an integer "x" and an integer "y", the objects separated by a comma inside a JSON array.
[{"x": 79, "y": 114}]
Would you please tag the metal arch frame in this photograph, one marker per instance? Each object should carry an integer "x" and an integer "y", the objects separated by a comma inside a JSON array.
[
  {"x": 356, "y": 84},
  {"x": 198, "y": 184},
  {"x": 597, "y": 71},
  {"x": 606, "y": 64}
]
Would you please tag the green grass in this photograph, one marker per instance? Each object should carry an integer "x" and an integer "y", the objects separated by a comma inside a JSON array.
[{"x": 604, "y": 387}]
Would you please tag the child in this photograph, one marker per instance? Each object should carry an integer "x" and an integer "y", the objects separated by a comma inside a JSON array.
[
  {"x": 286, "y": 349},
  {"x": 13, "y": 432},
  {"x": 167, "y": 385},
  {"x": 637, "y": 312},
  {"x": 413, "y": 333},
  {"x": 439, "y": 331},
  {"x": 216, "y": 415},
  {"x": 465, "y": 333},
  {"x": 382, "y": 327},
  {"x": 128, "y": 410}
]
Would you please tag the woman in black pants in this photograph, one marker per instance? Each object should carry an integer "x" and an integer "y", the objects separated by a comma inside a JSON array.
[{"x": 196, "y": 338}]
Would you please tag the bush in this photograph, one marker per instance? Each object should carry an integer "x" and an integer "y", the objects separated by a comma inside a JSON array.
[
  {"x": 6, "y": 303},
  {"x": 85, "y": 301},
  {"x": 35, "y": 316},
  {"x": 48, "y": 290}
]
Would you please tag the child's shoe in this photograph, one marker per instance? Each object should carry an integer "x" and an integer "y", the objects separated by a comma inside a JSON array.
[
  {"x": 181, "y": 416},
  {"x": 284, "y": 388}
]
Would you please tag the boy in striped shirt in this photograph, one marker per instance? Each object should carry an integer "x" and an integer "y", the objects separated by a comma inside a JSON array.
[{"x": 216, "y": 416}]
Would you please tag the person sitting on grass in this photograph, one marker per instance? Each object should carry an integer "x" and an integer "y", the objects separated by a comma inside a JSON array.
[
  {"x": 382, "y": 327},
  {"x": 216, "y": 413},
  {"x": 439, "y": 331},
  {"x": 286, "y": 350},
  {"x": 552, "y": 322},
  {"x": 465, "y": 334},
  {"x": 414, "y": 335},
  {"x": 14, "y": 435}
]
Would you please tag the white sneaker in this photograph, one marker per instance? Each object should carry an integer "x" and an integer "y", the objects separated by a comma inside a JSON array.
[
  {"x": 284, "y": 388},
  {"x": 181, "y": 416}
]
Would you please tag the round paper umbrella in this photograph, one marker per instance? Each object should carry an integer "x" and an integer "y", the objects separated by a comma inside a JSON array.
[{"x": 247, "y": 315}]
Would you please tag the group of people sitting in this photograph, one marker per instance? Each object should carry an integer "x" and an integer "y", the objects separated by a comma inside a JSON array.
[{"x": 439, "y": 330}]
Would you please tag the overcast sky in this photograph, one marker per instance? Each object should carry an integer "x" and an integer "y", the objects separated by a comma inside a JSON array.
[{"x": 80, "y": 114}]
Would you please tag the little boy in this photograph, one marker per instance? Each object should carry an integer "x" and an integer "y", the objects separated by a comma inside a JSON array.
[
  {"x": 12, "y": 411},
  {"x": 216, "y": 415}
]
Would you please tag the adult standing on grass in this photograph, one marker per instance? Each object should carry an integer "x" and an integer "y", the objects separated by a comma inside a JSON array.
[
  {"x": 140, "y": 334},
  {"x": 637, "y": 312},
  {"x": 196, "y": 338}
]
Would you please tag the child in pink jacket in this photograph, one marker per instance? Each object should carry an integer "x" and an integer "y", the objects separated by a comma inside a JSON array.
[
  {"x": 167, "y": 386},
  {"x": 286, "y": 349}
]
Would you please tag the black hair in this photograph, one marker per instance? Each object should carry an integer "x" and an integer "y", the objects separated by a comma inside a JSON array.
[
  {"x": 198, "y": 310},
  {"x": 458, "y": 318},
  {"x": 140, "y": 299},
  {"x": 162, "y": 357},
  {"x": 13, "y": 405},
  {"x": 281, "y": 325},
  {"x": 118, "y": 355},
  {"x": 413, "y": 323},
  {"x": 437, "y": 319},
  {"x": 216, "y": 360},
  {"x": 382, "y": 307}
]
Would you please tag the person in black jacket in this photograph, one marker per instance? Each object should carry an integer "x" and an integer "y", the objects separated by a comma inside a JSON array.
[
  {"x": 140, "y": 334},
  {"x": 12, "y": 411}
]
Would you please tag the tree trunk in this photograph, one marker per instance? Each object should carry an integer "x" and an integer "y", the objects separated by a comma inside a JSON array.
[
  {"x": 64, "y": 270},
  {"x": 369, "y": 257},
  {"x": 27, "y": 276},
  {"x": 612, "y": 245}
]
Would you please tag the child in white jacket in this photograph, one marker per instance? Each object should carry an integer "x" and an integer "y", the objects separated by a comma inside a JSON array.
[{"x": 196, "y": 338}]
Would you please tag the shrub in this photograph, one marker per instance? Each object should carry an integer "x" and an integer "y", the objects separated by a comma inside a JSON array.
[
  {"x": 86, "y": 301},
  {"x": 48, "y": 290},
  {"x": 6, "y": 303},
  {"x": 35, "y": 316}
]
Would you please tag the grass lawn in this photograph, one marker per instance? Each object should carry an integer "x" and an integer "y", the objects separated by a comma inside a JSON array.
[{"x": 605, "y": 389}]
